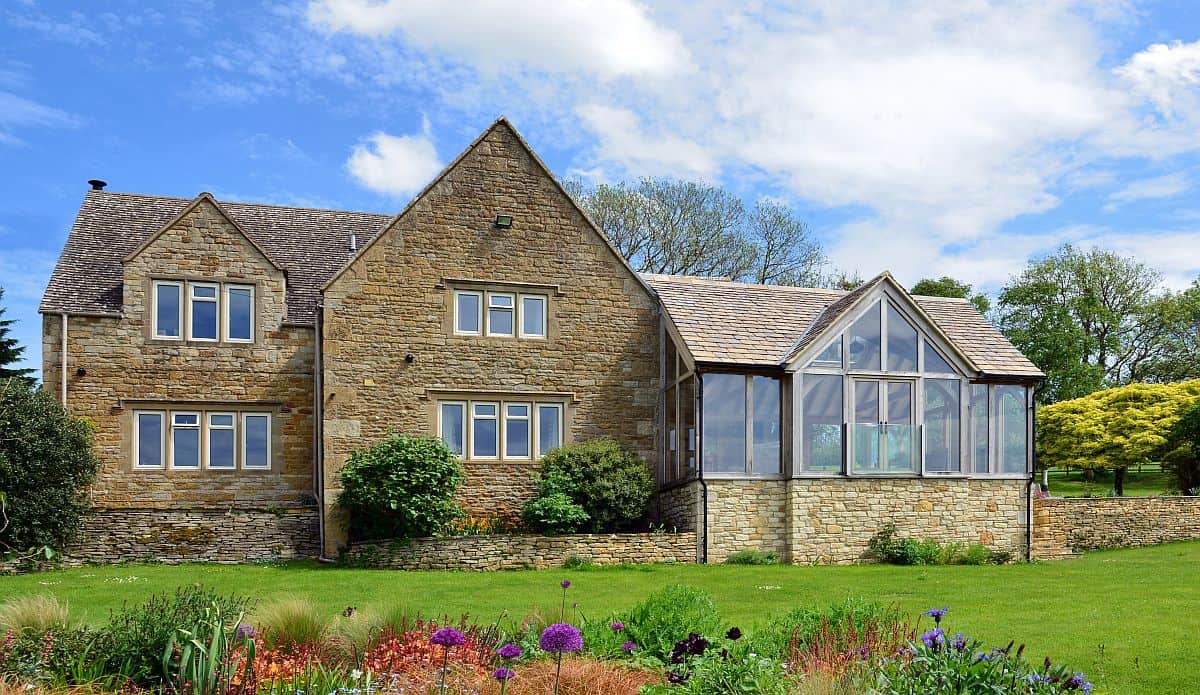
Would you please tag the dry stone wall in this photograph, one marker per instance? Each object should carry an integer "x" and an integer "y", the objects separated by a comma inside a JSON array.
[
  {"x": 1065, "y": 527},
  {"x": 500, "y": 552}
]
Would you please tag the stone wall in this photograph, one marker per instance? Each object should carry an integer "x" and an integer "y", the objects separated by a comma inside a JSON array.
[
  {"x": 831, "y": 520},
  {"x": 747, "y": 515},
  {"x": 679, "y": 507},
  {"x": 1064, "y": 527},
  {"x": 479, "y": 553},
  {"x": 190, "y": 535},
  {"x": 600, "y": 357}
]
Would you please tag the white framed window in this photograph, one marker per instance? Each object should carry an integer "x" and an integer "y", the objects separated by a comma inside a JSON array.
[
  {"x": 468, "y": 312},
  {"x": 239, "y": 313},
  {"x": 221, "y": 452},
  {"x": 500, "y": 314},
  {"x": 168, "y": 310},
  {"x": 256, "y": 440},
  {"x": 549, "y": 427},
  {"x": 149, "y": 439},
  {"x": 203, "y": 311},
  {"x": 533, "y": 316},
  {"x": 452, "y": 425},
  {"x": 185, "y": 440},
  {"x": 517, "y": 431},
  {"x": 485, "y": 430}
]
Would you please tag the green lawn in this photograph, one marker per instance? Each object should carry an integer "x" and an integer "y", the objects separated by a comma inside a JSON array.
[
  {"x": 1128, "y": 618},
  {"x": 1074, "y": 483}
]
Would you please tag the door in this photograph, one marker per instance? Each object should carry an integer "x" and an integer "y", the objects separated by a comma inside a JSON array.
[{"x": 884, "y": 427}]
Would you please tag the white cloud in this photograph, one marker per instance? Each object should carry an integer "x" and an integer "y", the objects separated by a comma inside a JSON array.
[
  {"x": 1165, "y": 73},
  {"x": 1166, "y": 186},
  {"x": 621, "y": 139},
  {"x": 395, "y": 164},
  {"x": 608, "y": 38},
  {"x": 19, "y": 112}
]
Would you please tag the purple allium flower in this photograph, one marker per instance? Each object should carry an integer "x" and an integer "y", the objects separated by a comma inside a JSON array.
[
  {"x": 448, "y": 637},
  {"x": 246, "y": 631},
  {"x": 509, "y": 651},
  {"x": 561, "y": 638},
  {"x": 933, "y": 638},
  {"x": 937, "y": 614},
  {"x": 960, "y": 642},
  {"x": 733, "y": 634},
  {"x": 566, "y": 584},
  {"x": 617, "y": 626},
  {"x": 502, "y": 674},
  {"x": 629, "y": 647}
]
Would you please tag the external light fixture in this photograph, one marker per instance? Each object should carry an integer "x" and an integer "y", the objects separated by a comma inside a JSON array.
[{"x": 504, "y": 221}]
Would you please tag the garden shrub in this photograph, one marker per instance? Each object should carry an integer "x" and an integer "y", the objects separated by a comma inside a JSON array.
[
  {"x": 46, "y": 467},
  {"x": 657, "y": 623},
  {"x": 290, "y": 622},
  {"x": 35, "y": 614},
  {"x": 795, "y": 628},
  {"x": 886, "y": 546},
  {"x": 751, "y": 557},
  {"x": 402, "y": 487},
  {"x": 699, "y": 666},
  {"x": 609, "y": 483}
]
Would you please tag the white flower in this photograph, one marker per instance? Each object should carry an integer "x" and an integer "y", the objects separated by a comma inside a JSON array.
[{"x": 355, "y": 674}]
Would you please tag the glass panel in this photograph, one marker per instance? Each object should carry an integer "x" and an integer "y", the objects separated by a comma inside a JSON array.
[
  {"x": 865, "y": 341},
  {"x": 942, "y": 414},
  {"x": 671, "y": 413},
  {"x": 466, "y": 313},
  {"x": 500, "y": 300},
  {"x": 1011, "y": 433},
  {"x": 764, "y": 456},
  {"x": 241, "y": 308},
  {"x": 724, "y": 423},
  {"x": 452, "y": 427},
  {"x": 167, "y": 316},
  {"x": 533, "y": 316},
  {"x": 822, "y": 438},
  {"x": 866, "y": 428},
  {"x": 204, "y": 292},
  {"x": 500, "y": 322},
  {"x": 830, "y": 356},
  {"x": 900, "y": 442},
  {"x": 687, "y": 424},
  {"x": 899, "y": 408},
  {"x": 484, "y": 432},
  {"x": 934, "y": 362},
  {"x": 204, "y": 319},
  {"x": 549, "y": 428},
  {"x": 220, "y": 420},
  {"x": 902, "y": 342},
  {"x": 979, "y": 428},
  {"x": 220, "y": 448},
  {"x": 672, "y": 361},
  {"x": 185, "y": 447},
  {"x": 150, "y": 438},
  {"x": 516, "y": 431},
  {"x": 256, "y": 433},
  {"x": 187, "y": 419}
]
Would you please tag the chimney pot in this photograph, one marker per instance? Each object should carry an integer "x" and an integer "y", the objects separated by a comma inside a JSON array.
[{"x": 97, "y": 184}]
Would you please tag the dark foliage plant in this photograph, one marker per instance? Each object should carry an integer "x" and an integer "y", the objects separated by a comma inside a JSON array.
[
  {"x": 1182, "y": 464},
  {"x": 46, "y": 466},
  {"x": 607, "y": 481},
  {"x": 402, "y": 487}
]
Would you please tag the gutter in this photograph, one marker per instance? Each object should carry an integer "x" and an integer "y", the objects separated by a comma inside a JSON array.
[{"x": 63, "y": 394}]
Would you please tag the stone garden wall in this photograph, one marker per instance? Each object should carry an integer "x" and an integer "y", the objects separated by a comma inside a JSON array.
[
  {"x": 503, "y": 552},
  {"x": 1063, "y": 527}
]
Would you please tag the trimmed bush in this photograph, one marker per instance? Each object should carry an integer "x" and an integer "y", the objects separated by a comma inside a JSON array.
[
  {"x": 402, "y": 487},
  {"x": 605, "y": 481}
]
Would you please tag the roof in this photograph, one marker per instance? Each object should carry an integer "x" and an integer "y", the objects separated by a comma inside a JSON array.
[
  {"x": 309, "y": 244},
  {"x": 762, "y": 325}
]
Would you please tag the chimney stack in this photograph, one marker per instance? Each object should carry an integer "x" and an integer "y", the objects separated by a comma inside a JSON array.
[{"x": 97, "y": 184}]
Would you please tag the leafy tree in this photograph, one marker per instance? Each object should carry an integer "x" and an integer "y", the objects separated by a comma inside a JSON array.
[
  {"x": 947, "y": 286},
  {"x": 689, "y": 228},
  {"x": 1115, "y": 428},
  {"x": 1182, "y": 456},
  {"x": 402, "y": 487},
  {"x": 1089, "y": 319},
  {"x": 1170, "y": 350},
  {"x": 46, "y": 467},
  {"x": 10, "y": 351}
]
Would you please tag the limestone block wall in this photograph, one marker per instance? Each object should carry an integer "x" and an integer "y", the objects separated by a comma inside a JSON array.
[
  {"x": 831, "y": 520},
  {"x": 1064, "y": 527},
  {"x": 501, "y": 552},
  {"x": 747, "y": 515},
  {"x": 195, "y": 535},
  {"x": 679, "y": 507}
]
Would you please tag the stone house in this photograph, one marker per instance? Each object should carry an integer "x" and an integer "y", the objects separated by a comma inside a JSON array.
[{"x": 232, "y": 355}]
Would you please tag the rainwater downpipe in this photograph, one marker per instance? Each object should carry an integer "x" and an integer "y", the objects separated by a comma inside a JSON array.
[
  {"x": 64, "y": 361},
  {"x": 700, "y": 466},
  {"x": 318, "y": 436},
  {"x": 1032, "y": 475}
]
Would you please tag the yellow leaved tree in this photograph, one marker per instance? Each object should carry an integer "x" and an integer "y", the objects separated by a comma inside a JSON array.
[{"x": 1113, "y": 429}]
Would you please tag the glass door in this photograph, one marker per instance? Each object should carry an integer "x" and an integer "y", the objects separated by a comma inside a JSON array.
[{"x": 884, "y": 430}]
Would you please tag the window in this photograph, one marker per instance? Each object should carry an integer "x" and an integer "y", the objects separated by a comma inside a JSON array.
[
  {"x": 500, "y": 314},
  {"x": 185, "y": 440},
  {"x": 830, "y": 356},
  {"x": 533, "y": 316},
  {"x": 517, "y": 430},
  {"x": 741, "y": 424},
  {"x": 484, "y": 431},
  {"x": 865, "y": 341},
  {"x": 221, "y": 440},
  {"x": 168, "y": 309},
  {"x": 765, "y": 431},
  {"x": 149, "y": 439},
  {"x": 1012, "y": 434},
  {"x": 822, "y": 430},
  {"x": 203, "y": 311},
  {"x": 980, "y": 446},
  {"x": 901, "y": 342},
  {"x": 239, "y": 313},
  {"x": 549, "y": 427},
  {"x": 942, "y": 415},
  {"x": 934, "y": 362},
  {"x": 256, "y": 440},
  {"x": 468, "y": 313},
  {"x": 452, "y": 426}
]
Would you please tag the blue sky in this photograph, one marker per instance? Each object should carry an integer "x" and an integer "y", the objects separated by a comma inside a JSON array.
[{"x": 929, "y": 138}]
